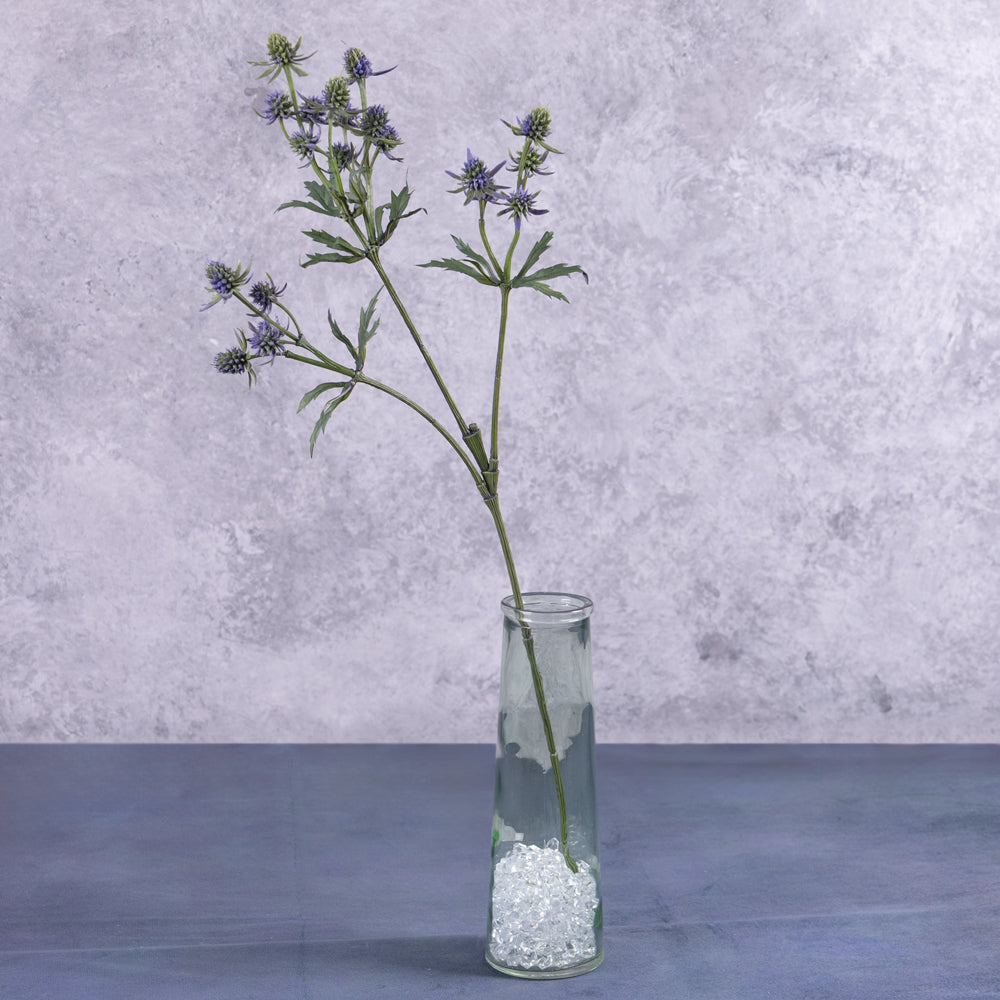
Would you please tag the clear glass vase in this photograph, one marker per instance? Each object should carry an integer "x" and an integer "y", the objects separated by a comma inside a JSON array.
[{"x": 545, "y": 917}]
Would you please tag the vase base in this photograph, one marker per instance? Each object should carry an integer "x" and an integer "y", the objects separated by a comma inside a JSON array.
[{"x": 565, "y": 973}]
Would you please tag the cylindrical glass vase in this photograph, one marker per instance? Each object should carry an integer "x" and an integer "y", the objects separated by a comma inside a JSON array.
[{"x": 545, "y": 917}]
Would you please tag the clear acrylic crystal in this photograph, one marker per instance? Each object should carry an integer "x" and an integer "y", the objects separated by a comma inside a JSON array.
[{"x": 543, "y": 913}]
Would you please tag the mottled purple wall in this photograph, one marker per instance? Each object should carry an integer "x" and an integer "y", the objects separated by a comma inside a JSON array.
[{"x": 764, "y": 439}]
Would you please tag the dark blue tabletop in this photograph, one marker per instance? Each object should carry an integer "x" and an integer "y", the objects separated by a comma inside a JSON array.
[{"x": 245, "y": 872}]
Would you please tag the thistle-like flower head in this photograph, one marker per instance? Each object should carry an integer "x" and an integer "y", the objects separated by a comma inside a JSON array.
[
  {"x": 279, "y": 106},
  {"x": 358, "y": 66},
  {"x": 342, "y": 155},
  {"x": 476, "y": 181},
  {"x": 529, "y": 161},
  {"x": 304, "y": 143},
  {"x": 313, "y": 110},
  {"x": 265, "y": 339},
  {"x": 535, "y": 126},
  {"x": 235, "y": 361},
  {"x": 520, "y": 205},
  {"x": 281, "y": 56},
  {"x": 374, "y": 126},
  {"x": 263, "y": 294},
  {"x": 224, "y": 280},
  {"x": 337, "y": 94}
]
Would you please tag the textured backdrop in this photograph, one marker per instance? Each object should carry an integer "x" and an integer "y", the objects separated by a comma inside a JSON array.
[{"x": 764, "y": 438}]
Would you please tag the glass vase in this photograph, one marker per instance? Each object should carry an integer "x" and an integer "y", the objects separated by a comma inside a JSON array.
[{"x": 545, "y": 917}]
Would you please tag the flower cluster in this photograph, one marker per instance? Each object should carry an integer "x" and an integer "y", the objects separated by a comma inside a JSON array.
[
  {"x": 476, "y": 181},
  {"x": 330, "y": 108}
]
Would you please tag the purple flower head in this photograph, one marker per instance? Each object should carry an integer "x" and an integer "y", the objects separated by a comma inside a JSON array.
[
  {"x": 224, "y": 280},
  {"x": 342, "y": 155},
  {"x": 374, "y": 126},
  {"x": 476, "y": 181},
  {"x": 313, "y": 110},
  {"x": 520, "y": 204},
  {"x": 535, "y": 126},
  {"x": 279, "y": 106},
  {"x": 265, "y": 339},
  {"x": 358, "y": 66},
  {"x": 263, "y": 294},
  {"x": 304, "y": 142}
]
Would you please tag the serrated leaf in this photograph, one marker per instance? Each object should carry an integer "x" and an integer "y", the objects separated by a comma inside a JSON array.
[
  {"x": 398, "y": 202},
  {"x": 321, "y": 201},
  {"x": 332, "y": 258},
  {"x": 334, "y": 242},
  {"x": 450, "y": 264},
  {"x": 339, "y": 334},
  {"x": 535, "y": 253},
  {"x": 475, "y": 258},
  {"x": 544, "y": 289},
  {"x": 555, "y": 271},
  {"x": 319, "y": 209},
  {"x": 318, "y": 391},
  {"x": 366, "y": 330},
  {"x": 324, "y": 417}
]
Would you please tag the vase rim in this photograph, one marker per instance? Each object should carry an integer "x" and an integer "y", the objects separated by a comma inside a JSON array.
[{"x": 543, "y": 607}]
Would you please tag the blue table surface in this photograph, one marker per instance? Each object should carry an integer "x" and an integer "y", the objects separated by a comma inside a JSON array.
[{"x": 354, "y": 871}]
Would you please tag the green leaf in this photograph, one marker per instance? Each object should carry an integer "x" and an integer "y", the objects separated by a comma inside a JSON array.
[
  {"x": 321, "y": 201},
  {"x": 338, "y": 333},
  {"x": 367, "y": 329},
  {"x": 555, "y": 271},
  {"x": 475, "y": 258},
  {"x": 398, "y": 203},
  {"x": 324, "y": 417},
  {"x": 450, "y": 264},
  {"x": 544, "y": 289},
  {"x": 396, "y": 206},
  {"x": 318, "y": 391},
  {"x": 310, "y": 205},
  {"x": 334, "y": 242},
  {"x": 534, "y": 253},
  {"x": 332, "y": 258}
]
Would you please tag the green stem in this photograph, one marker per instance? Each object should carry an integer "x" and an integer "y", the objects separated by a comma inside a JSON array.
[
  {"x": 295, "y": 100},
  {"x": 536, "y": 679},
  {"x": 401, "y": 309},
  {"x": 417, "y": 408},
  {"x": 486, "y": 242},
  {"x": 495, "y": 418}
]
